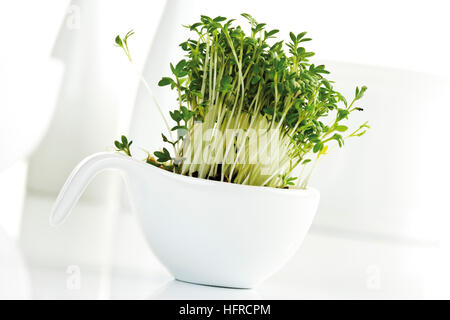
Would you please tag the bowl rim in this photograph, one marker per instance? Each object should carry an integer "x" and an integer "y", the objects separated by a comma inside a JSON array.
[{"x": 309, "y": 191}]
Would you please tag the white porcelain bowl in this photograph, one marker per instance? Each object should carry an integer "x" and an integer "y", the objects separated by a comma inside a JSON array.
[{"x": 203, "y": 231}]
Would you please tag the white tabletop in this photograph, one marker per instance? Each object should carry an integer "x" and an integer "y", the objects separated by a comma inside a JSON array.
[{"x": 329, "y": 265}]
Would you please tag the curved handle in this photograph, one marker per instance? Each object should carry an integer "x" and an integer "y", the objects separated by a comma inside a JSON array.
[{"x": 80, "y": 178}]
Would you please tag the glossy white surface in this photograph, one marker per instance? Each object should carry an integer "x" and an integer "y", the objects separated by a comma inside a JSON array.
[
  {"x": 14, "y": 281},
  {"x": 12, "y": 195},
  {"x": 237, "y": 244},
  {"x": 329, "y": 265}
]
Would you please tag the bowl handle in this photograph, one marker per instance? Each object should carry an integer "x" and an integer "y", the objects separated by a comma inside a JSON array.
[{"x": 80, "y": 178}]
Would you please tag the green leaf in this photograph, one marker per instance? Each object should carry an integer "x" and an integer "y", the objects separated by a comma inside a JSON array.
[
  {"x": 249, "y": 18},
  {"x": 341, "y": 128},
  {"x": 301, "y": 35},
  {"x": 360, "y": 93},
  {"x": 118, "y": 41},
  {"x": 293, "y": 37},
  {"x": 219, "y": 19},
  {"x": 259, "y": 27},
  {"x": 271, "y": 33},
  {"x": 195, "y": 26},
  {"x": 165, "y": 81},
  {"x": 163, "y": 156},
  {"x": 176, "y": 115},
  {"x": 180, "y": 66},
  {"x": 320, "y": 69},
  {"x": 186, "y": 114},
  {"x": 310, "y": 107},
  {"x": 197, "y": 94},
  {"x": 178, "y": 128},
  {"x": 225, "y": 84},
  {"x": 318, "y": 147},
  {"x": 124, "y": 145},
  {"x": 339, "y": 139},
  {"x": 255, "y": 80},
  {"x": 128, "y": 35},
  {"x": 342, "y": 114}
]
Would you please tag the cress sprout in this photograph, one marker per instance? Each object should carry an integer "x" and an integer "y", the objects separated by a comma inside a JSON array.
[{"x": 274, "y": 103}]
